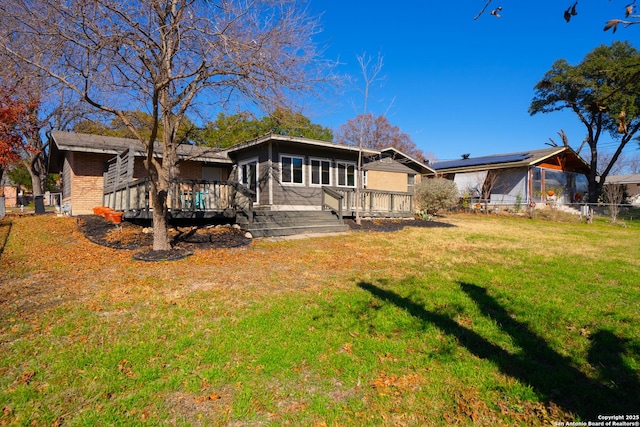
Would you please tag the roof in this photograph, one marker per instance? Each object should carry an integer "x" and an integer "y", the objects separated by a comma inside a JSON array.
[
  {"x": 98, "y": 144},
  {"x": 387, "y": 164},
  {"x": 424, "y": 168},
  {"x": 623, "y": 179},
  {"x": 512, "y": 160},
  {"x": 400, "y": 165},
  {"x": 300, "y": 140}
]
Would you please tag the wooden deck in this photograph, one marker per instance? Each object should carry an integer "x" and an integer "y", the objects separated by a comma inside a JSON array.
[
  {"x": 187, "y": 199},
  {"x": 200, "y": 199},
  {"x": 373, "y": 203}
]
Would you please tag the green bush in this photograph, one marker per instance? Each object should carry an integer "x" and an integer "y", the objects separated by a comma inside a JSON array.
[{"x": 435, "y": 194}]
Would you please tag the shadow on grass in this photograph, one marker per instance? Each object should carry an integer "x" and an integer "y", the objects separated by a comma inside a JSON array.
[
  {"x": 553, "y": 376},
  {"x": 5, "y": 231}
]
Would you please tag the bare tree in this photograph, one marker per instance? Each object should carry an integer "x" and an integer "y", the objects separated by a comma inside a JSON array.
[
  {"x": 165, "y": 57},
  {"x": 613, "y": 195},
  {"x": 370, "y": 74},
  {"x": 633, "y": 164},
  {"x": 377, "y": 132},
  {"x": 489, "y": 184}
]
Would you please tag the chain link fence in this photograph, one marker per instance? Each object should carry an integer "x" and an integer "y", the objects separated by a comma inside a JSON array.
[{"x": 615, "y": 213}]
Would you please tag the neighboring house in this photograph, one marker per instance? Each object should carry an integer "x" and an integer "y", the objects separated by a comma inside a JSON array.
[
  {"x": 284, "y": 173},
  {"x": 11, "y": 191},
  {"x": 387, "y": 171},
  {"x": 631, "y": 183},
  {"x": 552, "y": 174}
]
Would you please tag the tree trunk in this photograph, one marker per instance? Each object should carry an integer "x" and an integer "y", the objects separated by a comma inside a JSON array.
[
  {"x": 36, "y": 183},
  {"x": 160, "y": 225},
  {"x": 594, "y": 190},
  {"x": 36, "y": 162},
  {"x": 593, "y": 184}
]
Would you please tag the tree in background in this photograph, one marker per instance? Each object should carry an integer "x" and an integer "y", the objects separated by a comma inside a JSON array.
[
  {"x": 19, "y": 175},
  {"x": 287, "y": 122},
  {"x": 602, "y": 92},
  {"x": 143, "y": 124},
  {"x": 13, "y": 113},
  {"x": 436, "y": 194},
  {"x": 163, "y": 57},
  {"x": 48, "y": 107},
  {"x": 377, "y": 133},
  {"x": 231, "y": 129}
]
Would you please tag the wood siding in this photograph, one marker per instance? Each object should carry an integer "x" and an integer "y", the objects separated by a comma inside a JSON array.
[{"x": 306, "y": 195}]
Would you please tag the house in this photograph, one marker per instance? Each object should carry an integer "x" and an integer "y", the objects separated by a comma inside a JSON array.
[
  {"x": 631, "y": 183},
  {"x": 10, "y": 194},
  {"x": 274, "y": 172},
  {"x": 555, "y": 174},
  {"x": 289, "y": 173},
  {"x": 82, "y": 160}
]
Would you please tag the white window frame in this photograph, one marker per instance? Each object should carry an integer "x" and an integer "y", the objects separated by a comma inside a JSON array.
[
  {"x": 321, "y": 161},
  {"x": 347, "y": 164},
  {"x": 292, "y": 157},
  {"x": 244, "y": 162}
]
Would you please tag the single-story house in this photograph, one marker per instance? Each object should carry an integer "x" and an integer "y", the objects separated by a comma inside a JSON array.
[
  {"x": 10, "y": 193},
  {"x": 289, "y": 173},
  {"x": 631, "y": 183},
  {"x": 283, "y": 173},
  {"x": 14, "y": 194},
  {"x": 555, "y": 174},
  {"x": 83, "y": 159}
]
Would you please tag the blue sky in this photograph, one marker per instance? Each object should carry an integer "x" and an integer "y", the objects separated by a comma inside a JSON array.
[{"x": 456, "y": 85}]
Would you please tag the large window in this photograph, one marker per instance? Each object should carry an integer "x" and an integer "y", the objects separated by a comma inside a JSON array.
[
  {"x": 346, "y": 174},
  {"x": 320, "y": 172},
  {"x": 291, "y": 169}
]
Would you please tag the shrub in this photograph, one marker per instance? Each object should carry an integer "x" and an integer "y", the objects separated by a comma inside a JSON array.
[{"x": 435, "y": 194}]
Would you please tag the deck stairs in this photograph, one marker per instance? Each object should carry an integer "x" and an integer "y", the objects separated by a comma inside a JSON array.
[{"x": 268, "y": 223}]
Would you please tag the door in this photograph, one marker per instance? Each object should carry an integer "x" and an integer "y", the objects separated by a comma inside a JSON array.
[{"x": 248, "y": 176}]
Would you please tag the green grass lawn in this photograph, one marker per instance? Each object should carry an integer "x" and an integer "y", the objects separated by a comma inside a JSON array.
[{"x": 491, "y": 321}]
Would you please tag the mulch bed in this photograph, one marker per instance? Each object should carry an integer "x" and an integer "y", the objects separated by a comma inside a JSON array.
[
  {"x": 186, "y": 239},
  {"x": 183, "y": 239},
  {"x": 392, "y": 224}
]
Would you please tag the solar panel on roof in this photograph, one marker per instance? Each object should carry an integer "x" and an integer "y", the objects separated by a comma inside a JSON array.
[{"x": 480, "y": 161}]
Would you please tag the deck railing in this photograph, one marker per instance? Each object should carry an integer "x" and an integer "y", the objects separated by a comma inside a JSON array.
[
  {"x": 332, "y": 200},
  {"x": 185, "y": 197},
  {"x": 377, "y": 202}
]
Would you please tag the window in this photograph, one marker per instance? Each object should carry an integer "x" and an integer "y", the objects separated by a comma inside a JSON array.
[
  {"x": 248, "y": 176},
  {"x": 291, "y": 169},
  {"x": 346, "y": 174},
  {"x": 320, "y": 172}
]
